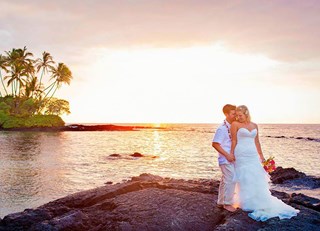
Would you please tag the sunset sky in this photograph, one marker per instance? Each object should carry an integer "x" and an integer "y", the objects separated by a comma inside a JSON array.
[{"x": 176, "y": 61}]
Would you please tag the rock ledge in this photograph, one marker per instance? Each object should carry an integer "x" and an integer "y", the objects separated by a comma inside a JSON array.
[{"x": 150, "y": 202}]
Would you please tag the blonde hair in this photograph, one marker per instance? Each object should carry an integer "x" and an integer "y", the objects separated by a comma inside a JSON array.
[{"x": 244, "y": 109}]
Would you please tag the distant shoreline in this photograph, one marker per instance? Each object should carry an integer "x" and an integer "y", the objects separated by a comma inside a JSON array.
[{"x": 81, "y": 127}]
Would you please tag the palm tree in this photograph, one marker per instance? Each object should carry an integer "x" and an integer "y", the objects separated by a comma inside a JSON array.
[
  {"x": 46, "y": 63},
  {"x": 31, "y": 87},
  {"x": 14, "y": 78},
  {"x": 21, "y": 74},
  {"x": 29, "y": 73},
  {"x": 61, "y": 74},
  {"x": 21, "y": 66},
  {"x": 3, "y": 65}
]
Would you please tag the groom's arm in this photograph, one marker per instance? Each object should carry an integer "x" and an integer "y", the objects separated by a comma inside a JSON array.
[
  {"x": 219, "y": 149},
  {"x": 234, "y": 129},
  {"x": 216, "y": 144}
]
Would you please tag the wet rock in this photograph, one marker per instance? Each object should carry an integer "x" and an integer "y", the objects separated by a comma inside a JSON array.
[
  {"x": 147, "y": 178},
  {"x": 281, "y": 175},
  {"x": 308, "y": 182},
  {"x": 306, "y": 201},
  {"x": 150, "y": 202},
  {"x": 70, "y": 221},
  {"x": 82, "y": 127},
  {"x": 101, "y": 127},
  {"x": 78, "y": 127},
  {"x": 136, "y": 154},
  {"x": 25, "y": 219},
  {"x": 133, "y": 156},
  {"x": 115, "y": 155}
]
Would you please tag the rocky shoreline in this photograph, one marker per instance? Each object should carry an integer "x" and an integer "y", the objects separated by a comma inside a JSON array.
[
  {"x": 150, "y": 202},
  {"x": 81, "y": 127}
]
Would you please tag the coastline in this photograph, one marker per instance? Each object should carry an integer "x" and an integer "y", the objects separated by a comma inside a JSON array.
[
  {"x": 150, "y": 202},
  {"x": 81, "y": 127}
]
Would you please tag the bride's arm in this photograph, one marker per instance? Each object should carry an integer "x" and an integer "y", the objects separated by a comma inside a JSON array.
[
  {"x": 258, "y": 146},
  {"x": 233, "y": 130}
]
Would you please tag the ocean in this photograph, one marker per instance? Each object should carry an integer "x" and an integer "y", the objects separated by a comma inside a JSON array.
[{"x": 38, "y": 167}]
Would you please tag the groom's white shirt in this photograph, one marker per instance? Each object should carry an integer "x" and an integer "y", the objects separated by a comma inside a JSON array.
[{"x": 222, "y": 137}]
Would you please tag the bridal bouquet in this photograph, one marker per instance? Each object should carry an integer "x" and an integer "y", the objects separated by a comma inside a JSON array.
[{"x": 269, "y": 165}]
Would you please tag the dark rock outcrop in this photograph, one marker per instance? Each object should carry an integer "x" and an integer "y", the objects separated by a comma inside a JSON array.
[
  {"x": 131, "y": 156},
  {"x": 305, "y": 201},
  {"x": 108, "y": 127},
  {"x": 136, "y": 154},
  {"x": 115, "y": 155},
  {"x": 281, "y": 175},
  {"x": 150, "y": 202},
  {"x": 81, "y": 127}
]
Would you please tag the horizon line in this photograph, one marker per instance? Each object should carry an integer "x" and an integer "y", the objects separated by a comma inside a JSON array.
[{"x": 182, "y": 123}]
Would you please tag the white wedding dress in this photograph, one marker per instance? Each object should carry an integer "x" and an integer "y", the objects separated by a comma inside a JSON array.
[{"x": 253, "y": 192}]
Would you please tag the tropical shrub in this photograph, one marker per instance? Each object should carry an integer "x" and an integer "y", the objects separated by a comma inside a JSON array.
[{"x": 8, "y": 122}]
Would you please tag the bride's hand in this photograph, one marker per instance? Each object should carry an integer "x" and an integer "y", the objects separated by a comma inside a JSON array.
[
  {"x": 233, "y": 157},
  {"x": 230, "y": 158}
]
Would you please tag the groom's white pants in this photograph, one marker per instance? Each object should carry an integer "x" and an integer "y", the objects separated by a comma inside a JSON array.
[{"x": 227, "y": 185}]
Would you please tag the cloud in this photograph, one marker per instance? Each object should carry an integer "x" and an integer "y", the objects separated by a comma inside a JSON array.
[{"x": 283, "y": 30}]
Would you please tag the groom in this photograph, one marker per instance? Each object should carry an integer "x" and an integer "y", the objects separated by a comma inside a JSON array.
[{"x": 222, "y": 143}]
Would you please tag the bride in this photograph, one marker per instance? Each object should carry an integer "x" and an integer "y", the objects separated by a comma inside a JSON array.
[{"x": 252, "y": 180}]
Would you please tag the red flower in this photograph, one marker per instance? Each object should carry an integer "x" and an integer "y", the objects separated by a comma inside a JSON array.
[{"x": 269, "y": 165}]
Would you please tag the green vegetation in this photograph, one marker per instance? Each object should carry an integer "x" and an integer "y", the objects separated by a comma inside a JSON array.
[
  {"x": 27, "y": 90},
  {"x": 33, "y": 121}
]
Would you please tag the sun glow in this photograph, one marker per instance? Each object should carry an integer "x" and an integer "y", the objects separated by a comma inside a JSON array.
[
  {"x": 162, "y": 85},
  {"x": 215, "y": 59}
]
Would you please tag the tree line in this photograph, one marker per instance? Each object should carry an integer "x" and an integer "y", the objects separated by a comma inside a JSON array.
[{"x": 28, "y": 84}]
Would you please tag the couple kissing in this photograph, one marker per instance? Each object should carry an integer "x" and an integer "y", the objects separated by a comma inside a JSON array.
[{"x": 244, "y": 183}]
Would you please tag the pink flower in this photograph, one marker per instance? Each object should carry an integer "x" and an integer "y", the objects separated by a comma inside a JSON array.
[{"x": 269, "y": 165}]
